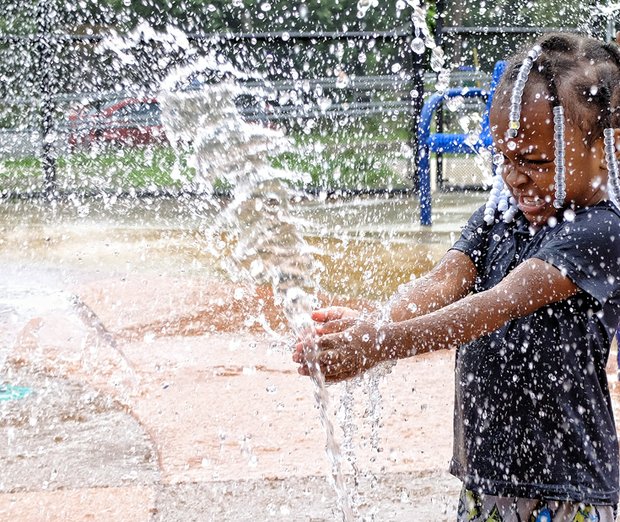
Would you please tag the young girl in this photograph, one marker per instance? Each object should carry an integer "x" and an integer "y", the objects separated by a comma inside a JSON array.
[{"x": 529, "y": 296}]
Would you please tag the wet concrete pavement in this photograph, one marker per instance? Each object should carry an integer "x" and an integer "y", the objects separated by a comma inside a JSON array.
[{"x": 157, "y": 394}]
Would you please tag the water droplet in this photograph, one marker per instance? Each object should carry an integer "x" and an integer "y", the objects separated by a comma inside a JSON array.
[
  {"x": 417, "y": 45},
  {"x": 362, "y": 7},
  {"x": 324, "y": 103},
  {"x": 437, "y": 59},
  {"x": 511, "y": 145},
  {"x": 569, "y": 215},
  {"x": 265, "y": 6},
  {"x": 455, "y": 103},
  {"x": 256, "y": 268},
  {"x": 342, "y": 79}
]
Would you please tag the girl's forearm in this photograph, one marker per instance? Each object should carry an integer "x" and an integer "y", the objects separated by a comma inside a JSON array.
[
  {"x": 449, "y": 281},
  {"x": 445, "y": 328},
  {"x": 530, "y": 286}
]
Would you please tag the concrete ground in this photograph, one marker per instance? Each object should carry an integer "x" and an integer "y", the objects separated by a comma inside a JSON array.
[{"x": 157, "y": 396}]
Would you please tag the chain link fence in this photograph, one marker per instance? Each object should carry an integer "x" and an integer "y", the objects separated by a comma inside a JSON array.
[{"x": 79, "y": 112}]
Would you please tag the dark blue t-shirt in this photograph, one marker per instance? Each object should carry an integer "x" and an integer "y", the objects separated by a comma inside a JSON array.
[{"x": 533, "y": 416}]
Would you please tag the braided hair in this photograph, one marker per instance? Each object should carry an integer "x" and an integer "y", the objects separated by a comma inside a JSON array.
[{"x": 582, "y": 78}]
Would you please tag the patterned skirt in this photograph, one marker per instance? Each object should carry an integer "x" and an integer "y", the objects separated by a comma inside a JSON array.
[{"x": 475, "y": 507}]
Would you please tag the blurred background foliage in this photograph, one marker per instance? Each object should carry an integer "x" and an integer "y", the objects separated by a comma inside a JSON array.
[
  {"x": 246, "y": 16},
  {"x": 54, "y": 48},
  {"x": 90, "y": 18}
]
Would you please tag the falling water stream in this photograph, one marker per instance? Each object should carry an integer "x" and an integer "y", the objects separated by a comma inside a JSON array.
[{"x": 268, "y": 245}]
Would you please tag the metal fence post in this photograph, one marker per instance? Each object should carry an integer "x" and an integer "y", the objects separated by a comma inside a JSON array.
[
  {"x": 45, "y": 53},
  {"x": 439, "y": 119},
  {"x": 417, "y": 102}
]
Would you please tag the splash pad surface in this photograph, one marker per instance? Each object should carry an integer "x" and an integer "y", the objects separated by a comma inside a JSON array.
[{"x": 157, "y": 395}]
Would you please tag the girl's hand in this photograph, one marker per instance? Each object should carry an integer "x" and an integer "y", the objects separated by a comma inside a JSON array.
[
  {"x": 344, "y": 354},
  {"x": 334, "y": 319}
]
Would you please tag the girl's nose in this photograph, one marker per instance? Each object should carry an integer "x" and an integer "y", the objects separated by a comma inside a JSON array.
[{"x": 515, "y": 178}]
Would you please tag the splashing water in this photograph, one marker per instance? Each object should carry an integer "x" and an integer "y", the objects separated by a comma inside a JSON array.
[
  {"x": 423, "y": 37},
  {"x": 364, "y": 5},
  {"x": 203, "y": 124},
  {"x": 268, "y": 245}
]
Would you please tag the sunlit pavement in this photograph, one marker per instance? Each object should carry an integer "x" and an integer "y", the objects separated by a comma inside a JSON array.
[{"x": 156, "y": 395}]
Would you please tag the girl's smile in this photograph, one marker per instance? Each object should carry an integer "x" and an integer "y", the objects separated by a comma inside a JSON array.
[{"x": 531, "y": 204}]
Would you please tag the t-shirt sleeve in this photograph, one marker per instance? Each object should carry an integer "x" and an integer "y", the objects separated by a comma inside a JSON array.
[
  {"x": 473, "y": 238},
  {"x": 587, "y": 251}
]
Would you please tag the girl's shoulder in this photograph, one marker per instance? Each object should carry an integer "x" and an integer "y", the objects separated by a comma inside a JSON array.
[
  {"x": 602, "y": 218},
  {"x": 605, "y": 210},
  {"x": 590, "y": 235}
]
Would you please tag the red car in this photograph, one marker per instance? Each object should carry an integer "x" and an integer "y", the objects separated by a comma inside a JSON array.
[{"x": 130, "y": 121}]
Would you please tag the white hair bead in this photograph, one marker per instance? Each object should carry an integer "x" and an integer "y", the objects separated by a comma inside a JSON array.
[
  {"x": 613, "y": 183},
  {"x": 510, "y": 214},
  {"x": 560, "y": 168},
  {"x": 517, "y": 91},
  {"x": 492, "y": 203}
]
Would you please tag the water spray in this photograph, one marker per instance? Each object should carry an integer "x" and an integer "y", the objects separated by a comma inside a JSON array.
[{"x": 268, "y": 245}]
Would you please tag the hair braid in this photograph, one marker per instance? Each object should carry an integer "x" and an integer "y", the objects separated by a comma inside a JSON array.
[
  {"x": 614, "y": 91},
  {"x": 611, "y": 124}
]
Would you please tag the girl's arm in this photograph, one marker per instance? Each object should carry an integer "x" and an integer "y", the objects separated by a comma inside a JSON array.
[
  {"x": 451, "y": 279},
  {"x": 530, "y": 286}
]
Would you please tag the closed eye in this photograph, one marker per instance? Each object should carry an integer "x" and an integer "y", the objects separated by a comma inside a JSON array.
[{"x": 542, "y": 161}]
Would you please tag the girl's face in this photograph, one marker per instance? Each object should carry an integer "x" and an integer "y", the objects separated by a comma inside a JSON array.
[{"x": 529, "y": 159}]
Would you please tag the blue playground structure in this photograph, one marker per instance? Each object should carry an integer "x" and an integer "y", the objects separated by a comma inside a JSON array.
[{"x": 429, "y": 142}]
